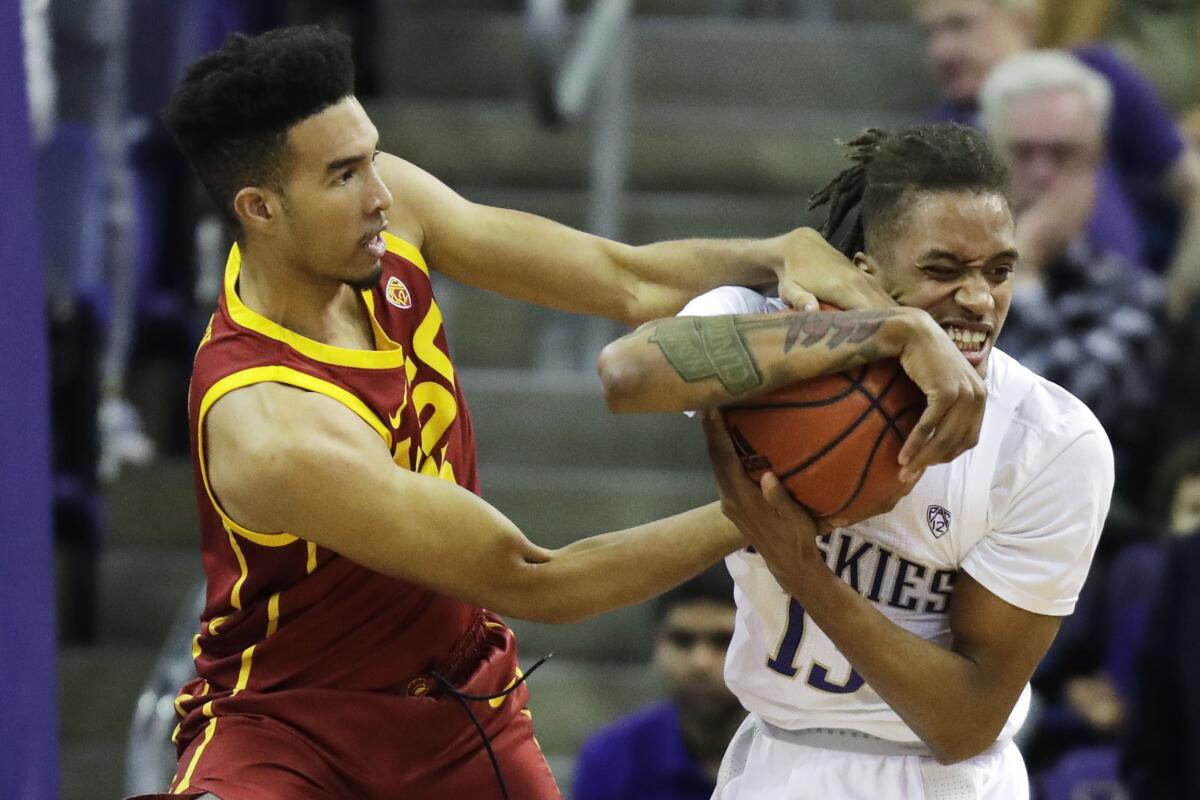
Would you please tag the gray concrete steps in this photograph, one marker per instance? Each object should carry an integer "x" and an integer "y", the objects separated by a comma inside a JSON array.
[
  {"x": 92, "y": 768},
  {"x": 98, "y": 685},
  {"x": 142, "y": 589},
  {"x": 558, "y": 505},
  {"x": 621, "y": 637},
  {"x": 891, "y": 10},
  {"x": 716, "y": 61},
  {"x": 654, "y": 216},
  {"x": 555, "y": 420},
  {"x": 97, "y": 688},
  {"x": 154, "y": 506},
  {"x": 672, "y": 148},
  {"x": 570, "y": 700}
]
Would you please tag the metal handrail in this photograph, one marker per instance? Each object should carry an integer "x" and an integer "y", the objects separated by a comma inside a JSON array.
[
  {"x": 589, "y": 76},
  {"x": 564, "y": 81}
]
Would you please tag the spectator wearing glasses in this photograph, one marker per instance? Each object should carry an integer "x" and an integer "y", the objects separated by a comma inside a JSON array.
[
  {"x": 672, "y": 750},
  {"x": 1148, "y": 206},
  {"x": 1082, "y": 315}
]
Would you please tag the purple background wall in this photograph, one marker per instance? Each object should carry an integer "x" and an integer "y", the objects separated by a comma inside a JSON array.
[{"x": 28, "y": 721}]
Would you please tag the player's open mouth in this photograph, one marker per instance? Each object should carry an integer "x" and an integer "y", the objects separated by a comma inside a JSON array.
[{"x": 376, "y": 247}]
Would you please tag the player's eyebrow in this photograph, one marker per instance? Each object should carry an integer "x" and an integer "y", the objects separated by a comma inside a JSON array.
[
  {"x": 937, "y": 254},
  {"x": 343, "y": 163},
  {"x": 940, "y": 255}
]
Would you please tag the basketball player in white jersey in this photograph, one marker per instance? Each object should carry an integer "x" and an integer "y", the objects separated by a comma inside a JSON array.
[{"x": 890, "y": 657}]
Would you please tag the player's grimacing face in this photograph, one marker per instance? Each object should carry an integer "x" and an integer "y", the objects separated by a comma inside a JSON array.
[
  {"x": 952, "y": 254},
  {"x": 336, "y": 203}
]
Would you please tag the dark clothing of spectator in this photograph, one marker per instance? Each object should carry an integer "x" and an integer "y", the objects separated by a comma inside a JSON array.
[
  {"x": 1163, "y": 733},
  {"x": 1177, "y": 413},
  {"x": 640, "y": 757},
  {"x": 1142, "y": 144},
  {"x": 1093, "y": 328}
]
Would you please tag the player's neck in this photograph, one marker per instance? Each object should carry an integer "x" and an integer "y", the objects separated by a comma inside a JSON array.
[{"x": 325, "y": 311}]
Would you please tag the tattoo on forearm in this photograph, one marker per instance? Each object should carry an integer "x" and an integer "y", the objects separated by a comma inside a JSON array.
[
  {"x": 808, "y": 330},
  {"x": 701, "y": 347}
]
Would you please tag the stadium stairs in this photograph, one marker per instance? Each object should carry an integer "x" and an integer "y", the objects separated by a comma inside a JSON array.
[{"x": 733, "y": 123}]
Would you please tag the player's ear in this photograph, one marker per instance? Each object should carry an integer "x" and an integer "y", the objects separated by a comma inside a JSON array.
[
  {"x": 866, "y": 263},
  {"x": 255, "y": 207}
]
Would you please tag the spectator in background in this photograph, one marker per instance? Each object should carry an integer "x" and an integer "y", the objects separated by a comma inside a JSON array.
[
  {"x": 1150, "y": 165},
  {"x": 1163, "y": 734},
  {"x": 1082, "y": 315},
  {"x": 671, "y": 751},
  {"x": 1091, "y": 676}
]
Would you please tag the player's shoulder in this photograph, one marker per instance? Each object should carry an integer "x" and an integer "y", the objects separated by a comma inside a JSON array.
[
  {"x": 1048, "y": 420},
  {"x": 731, "y": 300}
]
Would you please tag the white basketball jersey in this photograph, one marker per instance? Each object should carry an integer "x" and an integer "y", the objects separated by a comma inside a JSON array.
[{"x": 1021, "y": 513}]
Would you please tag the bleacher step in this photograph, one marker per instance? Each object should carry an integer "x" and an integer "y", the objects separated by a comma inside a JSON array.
[
  {"x": 715, "y": 61},
  {"x": 671, "y": 148},
  {"x": 142, "y": 589}
]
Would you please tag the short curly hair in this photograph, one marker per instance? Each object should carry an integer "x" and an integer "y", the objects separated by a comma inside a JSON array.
[{"x": 231, "y": 112}]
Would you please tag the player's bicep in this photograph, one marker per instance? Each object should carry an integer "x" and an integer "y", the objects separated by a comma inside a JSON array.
[{"x": 1005, "y": 642}]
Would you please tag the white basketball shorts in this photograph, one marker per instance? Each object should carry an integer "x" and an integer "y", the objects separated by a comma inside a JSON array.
[{"x": 760, "y": 765}]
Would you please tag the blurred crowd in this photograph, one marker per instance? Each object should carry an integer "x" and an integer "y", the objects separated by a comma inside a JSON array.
[{"x": 1095, "y": 106}]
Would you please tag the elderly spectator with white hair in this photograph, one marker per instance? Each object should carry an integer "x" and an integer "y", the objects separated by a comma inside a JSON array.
[
  {"x": 1081, "y": 315},
  {"x": 1150, "y": 164}
]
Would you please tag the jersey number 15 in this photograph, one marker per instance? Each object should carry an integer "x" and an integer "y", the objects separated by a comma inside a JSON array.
[{"x": 784, "y": 660}]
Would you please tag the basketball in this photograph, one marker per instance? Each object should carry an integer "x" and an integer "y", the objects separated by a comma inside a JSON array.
[{"x": 833, "y": 441}]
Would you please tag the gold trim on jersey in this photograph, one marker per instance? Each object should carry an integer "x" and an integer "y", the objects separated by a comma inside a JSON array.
[
  {"x": 405, "y": 250},
  {"x": 209, "y": 730},
  {"x": 318, "y": 351},
  {"x": 290, "y": 377}
]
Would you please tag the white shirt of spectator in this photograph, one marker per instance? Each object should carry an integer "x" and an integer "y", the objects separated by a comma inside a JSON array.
[{"x": 1021, "y": 513}]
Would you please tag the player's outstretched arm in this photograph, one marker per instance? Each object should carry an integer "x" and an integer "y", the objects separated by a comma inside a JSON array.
[
  {"x": 534, "y": 259},
  {"x": 280, "y": 459},
  {"x": 956, "y": 700},
  {"x": 686, "y": 363}
]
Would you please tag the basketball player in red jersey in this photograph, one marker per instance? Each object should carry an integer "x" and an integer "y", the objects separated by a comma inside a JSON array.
[{"x": 344, "y": 650}]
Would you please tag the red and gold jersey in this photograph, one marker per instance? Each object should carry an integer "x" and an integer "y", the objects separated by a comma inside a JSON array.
[{"x": 282, "y": 613}]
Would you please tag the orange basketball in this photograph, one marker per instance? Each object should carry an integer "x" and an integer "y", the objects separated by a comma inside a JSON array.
[{"x": 833, "y": 441}]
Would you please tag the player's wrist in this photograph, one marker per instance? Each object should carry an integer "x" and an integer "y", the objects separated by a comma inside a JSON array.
[{"x": 908, "y": 327}]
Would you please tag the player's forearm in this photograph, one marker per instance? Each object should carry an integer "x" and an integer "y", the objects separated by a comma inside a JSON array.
[
  {"x": 940, "y": 694},
  {"x": 699, "y": 362},
  {"x": 613, "y": 570},
  {"x": 666, "y": 275}
]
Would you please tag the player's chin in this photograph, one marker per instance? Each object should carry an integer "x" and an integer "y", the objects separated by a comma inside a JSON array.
[{"x": 368, "y": 280}]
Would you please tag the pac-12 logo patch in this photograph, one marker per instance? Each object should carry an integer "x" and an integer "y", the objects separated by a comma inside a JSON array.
[
  {"x": 939, "y": 521},
  {"x": 397, "y": 293}
]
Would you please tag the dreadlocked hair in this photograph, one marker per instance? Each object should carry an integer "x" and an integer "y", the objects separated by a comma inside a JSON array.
[{"x": 864, "y": 200}]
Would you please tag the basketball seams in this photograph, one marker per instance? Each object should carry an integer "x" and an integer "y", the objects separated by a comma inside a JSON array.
[
  {"x": 829, "y": 483},
  {"x": 874, "y": 403},
  {"x": 866, "y": 470}
]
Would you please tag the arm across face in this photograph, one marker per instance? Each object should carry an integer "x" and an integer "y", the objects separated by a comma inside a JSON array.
[
  {"x": 284, "y": 460},
  {"x": 537, "y": 260}
]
